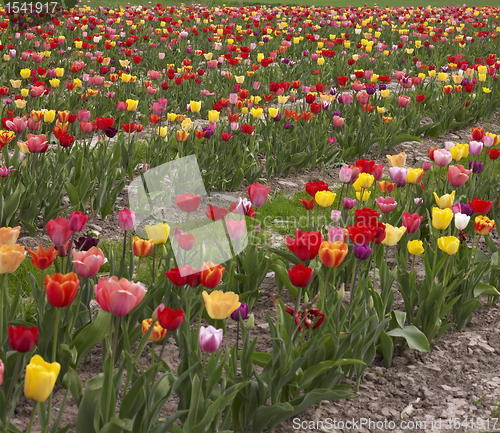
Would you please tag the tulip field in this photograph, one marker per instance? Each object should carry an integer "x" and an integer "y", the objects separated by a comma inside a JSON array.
[{"x": 249, "y": 218}]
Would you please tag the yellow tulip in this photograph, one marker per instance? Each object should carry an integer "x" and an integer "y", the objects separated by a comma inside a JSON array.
[
  {"x": 432, "y": 73},
  {"x": 77, "y": 82},
  {"x": 398, "y": 160},
  {"x": 59, "y": 72},
  {"x": 441, "y": 218},
  {"x": 54, "y": 82},
  {"x": 445, "y": 201},
  {"x": 124, "y": 63},
  {"x": 380, "y": 110},
  {"x": 366, "y": 195},
  {"x": 187, "y": 124},
  {"x": 459, "y": 151},
  {"x": 220, "y": 305},
  {"x": 384, "y": 93},
  {"x": 449, "y": 244},
  {"x": 25, "y": 73},
  {"x": 213, "y": 116},
  {"x": 483, "y": 225},
  {"x": 364, "y": 181},
  {"x": 283, "y": 99},
  {"x": 20, "y": 103},
  {"x": 321, "y": 61},
  {"x": 132, "y": 104},
  {"x": 25, "y": 92},
  {"x": 171, "y": 117},
  {"x": 239, "y": 79},
  {"x": 40, "y": 378},
  {"x": 158, "y": 233},
  {"x": 23, "y": 147},
  {"x": 126, "y": 77},
  {"x": 49, "y": 116},
  {"x": 325, "y": 198},
  {"x": 15, "y": 83},
  {"x": 393, "y": 235},
  {"x": 195, "y": 106},
  {"x": 415, "y": 247},
  {"x": 257, "y": 112},
  {"x": 442, "y": 76},
  {"x": 414, "y": 175},
  {"x": 162, "y": 131},
  {"x": 273, "y": 112},
  {"x": 9, "y": 235}
]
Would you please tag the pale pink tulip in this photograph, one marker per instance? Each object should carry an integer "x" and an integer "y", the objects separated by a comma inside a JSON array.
[
  {"x": 235, "y": 228},
  {"x": 118, "y": 297},
  {"x": 88, "y": 263}
]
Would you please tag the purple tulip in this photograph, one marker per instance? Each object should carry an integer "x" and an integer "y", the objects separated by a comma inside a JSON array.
[
  {"x": 85, "y": 243},
  {"x": 240, "y": 312},
  {"x": 362, "y": 251}
]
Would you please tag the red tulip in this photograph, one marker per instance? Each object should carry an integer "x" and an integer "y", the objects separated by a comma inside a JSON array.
[
  {"x": 211, "y": 275},
  {"x": 258, "y": 194},
  {"x": 215, "y": 213},
  {"x": 480, "y": 206},
  {"x": 22, "y": 339},
  {"x": 59, "y": 231},
  {"x": 313, "y": 187},
  {"x": 169, "y": 319},
  {"x": 367, "y": 216},
  {"x": 477, "y": 134},
  {"x": 300, "y": 276},
  {"x": 77, "y": 221},
  {"x": 188, "y": 202},
  {"x": 313, "y": 315},
  {"x": 361, "y": 233},
  {"x": 186, "y": 242},
  {"x": 308, "y": 204},
  {"x": 305, "y": 245},
  {"x": 179, "y": 276}
]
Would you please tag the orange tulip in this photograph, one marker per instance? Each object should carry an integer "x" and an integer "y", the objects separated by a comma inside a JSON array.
[
  {"x": 332, "y": 254},
  {"x": 42, "y": 258},
  {"x": 211, "y": 275},
  {"x": 61, "y": 289},
  {"x": 386, "y": 187},
  {"x": 182, "y": 136}
]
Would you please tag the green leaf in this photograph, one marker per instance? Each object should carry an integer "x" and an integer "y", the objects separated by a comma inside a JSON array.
[
  {"x": 387, "y": 346},
  {"x": 11, "y": 204},
  {"x": 71, "y": 381},
  {"x": 72, "y": 194},
  {"x": 400, "y": 317},
  {"x": 414, "y": 337},
  {"x": 261, "y": 358},
  {"x": 92, "y": 334},
  {"x": 485, "y": 289}
]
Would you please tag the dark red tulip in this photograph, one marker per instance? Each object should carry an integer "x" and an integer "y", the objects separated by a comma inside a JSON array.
[
  {"x": 22, "y": 339},
  {"x": 300, "y": 275}
]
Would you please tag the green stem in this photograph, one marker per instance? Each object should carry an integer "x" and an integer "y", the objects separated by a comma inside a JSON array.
[
  {"x": 154, "y": 257},
  {"x": 323, "y": 295},
  {"x": 124, "y": 244},
  {"x": 56, "y": 329},
  {"x": 203, "y": 364},
  {"x": 13, "y": 381},
  {"x": 474, "y": 249},
  {"x": 413, "y": 264},
  {"x": 32, "y": 419},
  {"x": 353, "y": 285},
  {"x": 292, "y": 323}
]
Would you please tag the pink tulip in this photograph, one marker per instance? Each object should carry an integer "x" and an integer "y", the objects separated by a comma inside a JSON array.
[
  {"x": 387, "y": 204},
  {"x": 475, "y": 147},
  {"x": 363, "y": 98},
  {"x": 235, "y": 228},
  {"x": 37, "y": 143},
  {"x": 336, "y": 234},
  {"x": 256, "y": 85},
  {"x": 4, "y": 171},
  {"x": 346, "y": 98},
  {"x": 86, "y": 127},
  {"x": 33, "y": 126},
  {"x": 154, "y": 75},
  {"x": 442, "y": 157},
  {"x": 59, "y": 231},
  {"x": 258, "y": 194},
  {"x": 88, "y": 263},
  {"x": 488, "y": 140},
  {"x": 77, "y": 221},
  {"x": 457, "y": 175},
  {"x": 398, "y": 174},
  {"x": 126, "y": 219},
  {"x": 2, "y": 368},
  {"x": 403, "y": 101},
  {"x": 338, "y": 121},
  {"x": 37, "y": 91},
  {"x": 412, "y": 221},
  {"x": 83, "y": 115},
  {"x": 118, "y": 297},
  {"x": 18, "y": 124},
  {"x": 233, "y": 98},
  {"x": 210, "y": 339}
]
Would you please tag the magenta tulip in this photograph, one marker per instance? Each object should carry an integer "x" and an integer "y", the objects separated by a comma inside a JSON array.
[
  {"x": 77, "y": 221},
  {"x": 210, "y": 339}
]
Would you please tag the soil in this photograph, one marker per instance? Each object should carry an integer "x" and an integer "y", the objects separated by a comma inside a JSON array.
[{"x": 457, "y": 381}]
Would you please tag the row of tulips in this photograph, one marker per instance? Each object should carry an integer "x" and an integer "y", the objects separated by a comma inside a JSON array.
[{"x": 192, "y": 307}]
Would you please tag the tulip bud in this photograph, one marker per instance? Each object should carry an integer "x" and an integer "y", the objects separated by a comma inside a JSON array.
[
  {"x": 341, "y": 294},
  {"x": 250, "y": 322}
]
